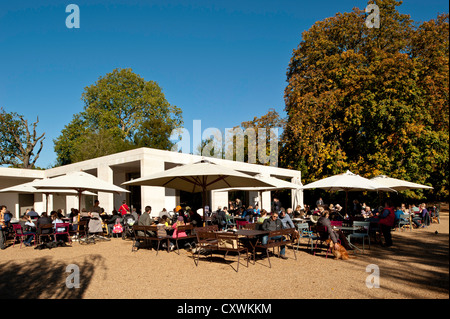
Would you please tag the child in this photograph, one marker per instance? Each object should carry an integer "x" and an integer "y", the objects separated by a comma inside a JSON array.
[{"x": 118, "y": 229}]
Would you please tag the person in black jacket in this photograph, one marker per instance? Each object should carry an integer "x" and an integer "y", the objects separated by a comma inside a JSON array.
[
  {"x": 334, "y": 235},
  {"x": 43, "y": 220},
  {"x": 272, "y": 224},
  {"x": 219, "y": 218}
]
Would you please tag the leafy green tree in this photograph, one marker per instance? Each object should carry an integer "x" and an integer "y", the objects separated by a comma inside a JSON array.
[
  {"x": 122, "y": 111},
  {"x": 374, "y": 101}
]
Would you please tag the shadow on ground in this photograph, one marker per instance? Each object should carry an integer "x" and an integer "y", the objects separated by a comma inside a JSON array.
[
  {"x": 43, "y": 278},
  {"x": 417, "y": 259}
]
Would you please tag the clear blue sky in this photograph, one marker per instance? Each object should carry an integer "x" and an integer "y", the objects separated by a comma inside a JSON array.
[{"x": 221, "y": 62}]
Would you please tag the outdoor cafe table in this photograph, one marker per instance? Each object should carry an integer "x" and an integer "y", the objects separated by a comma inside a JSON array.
[{"x": 251, "y": 234}]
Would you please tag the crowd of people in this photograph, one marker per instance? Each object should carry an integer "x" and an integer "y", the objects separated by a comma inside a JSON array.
[{"x": 277, "y": 218}]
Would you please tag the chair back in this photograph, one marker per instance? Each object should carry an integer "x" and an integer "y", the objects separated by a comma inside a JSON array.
[
  {"x": 207, "y": 228},
  {"x": 45, "y": 229},
  {"x": 62, "y": 228},
  {"x": 336, "y": 223},
  {"x": 302, "y": 226},
  {"x": 251, "y": 226},
  {"x": 303, "y": 230},
  {"x": 241, "y": 223},
  {"x": 17, "y": 229},
  {"x": 182, "y": 229},
  {"x": 82, "y": 227},
  {"x": 274, "y": 233},
  {"x": 364, "y": 226},
  {"x": 140, "y": 231},
  {"x": 203, "y": 235},
  {"x": 322, "y": 231},
  {"x": 227, "y": 241}
]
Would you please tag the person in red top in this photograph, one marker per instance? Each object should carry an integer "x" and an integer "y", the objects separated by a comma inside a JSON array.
[
  {"x": 124, "y": 209},
  {"x": 386, "y": 222}
]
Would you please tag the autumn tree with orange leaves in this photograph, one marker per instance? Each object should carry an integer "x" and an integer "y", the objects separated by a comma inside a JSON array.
[{"x": 371, "y": 100}]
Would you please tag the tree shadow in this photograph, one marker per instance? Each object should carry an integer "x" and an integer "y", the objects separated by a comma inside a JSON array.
[
  {"x": 418, "y": 260},
  {"x": 43, "y": 278}
]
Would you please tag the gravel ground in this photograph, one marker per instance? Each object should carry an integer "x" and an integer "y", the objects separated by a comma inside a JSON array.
[{"x": 416, "y": 267}]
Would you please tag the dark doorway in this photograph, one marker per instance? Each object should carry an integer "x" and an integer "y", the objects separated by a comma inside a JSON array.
[
  {"x": 134, "y": 197},
  {"x": 193, "y": 200}
]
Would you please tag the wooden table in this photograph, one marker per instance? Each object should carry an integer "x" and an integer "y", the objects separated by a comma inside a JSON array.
[{"x": 251, "y": 234}]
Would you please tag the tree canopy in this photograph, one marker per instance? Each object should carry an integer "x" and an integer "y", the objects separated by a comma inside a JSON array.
[
  {"x": 372, "y": 100},
  {"x": 18, "y": 146},
  {"x": 122, "y": 111}
]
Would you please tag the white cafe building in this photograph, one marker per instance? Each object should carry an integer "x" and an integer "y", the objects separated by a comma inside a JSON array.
[{"x": 121, "y": 167}]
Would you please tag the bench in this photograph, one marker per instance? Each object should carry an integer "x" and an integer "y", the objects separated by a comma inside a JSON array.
[{"x": 145, "y": 233}]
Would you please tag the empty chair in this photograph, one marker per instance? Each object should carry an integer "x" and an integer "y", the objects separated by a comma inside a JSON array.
[
  {"x": 403, "y": 221},
  {"x": 305, "y": 232},
  {"x": 206, "y": 240},
  {"x": 230, "y": 243},
  {"x": 362, "y": 232}
]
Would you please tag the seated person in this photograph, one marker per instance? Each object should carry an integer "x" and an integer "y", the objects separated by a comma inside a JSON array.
[
  {"x": 195, "y": 218},
  {"x": 272, "y": 224},
  {"x": 367, "y": 213},
  {"x": 28, "y": 228},
  {"x": 43, "y": 220},
  {"x": 57, "y": 218},
  {"x": 263, "y": 217},
  {"x": 334, "y": 235}
]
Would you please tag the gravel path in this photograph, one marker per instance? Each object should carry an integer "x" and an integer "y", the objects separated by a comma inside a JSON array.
[{"x": 417, "y": 266}]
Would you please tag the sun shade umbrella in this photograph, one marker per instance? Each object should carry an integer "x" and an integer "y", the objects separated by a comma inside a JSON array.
[
  {"x": 347, "y": 182},
  {"x": 30, "y": 189},
  {"x": 197, "y": 177},
  {"x": 80, "y": 182},
  {"x": 398, "y": 184}
]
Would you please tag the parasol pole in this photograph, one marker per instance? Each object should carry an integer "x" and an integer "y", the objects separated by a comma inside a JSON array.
[{"x": 346, "y": 201}]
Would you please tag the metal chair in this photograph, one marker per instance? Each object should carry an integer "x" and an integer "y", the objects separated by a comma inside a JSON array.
[
  {"x": 206, "y": 240},
  {"x": 19, "y": 233},
  {"x": 404, "y": 220},
  {"x": 45, "y": 230},
  {"x": 304, "y": 232},
  {"x": 362, "y": 232},
  {"x": 230, "y": 242},
  {"x": 323, "y": 235},
  {"x": 62, "y": 229},
  {"x": 241, "y": 223},
  {"x": 230, "y": 221}
]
